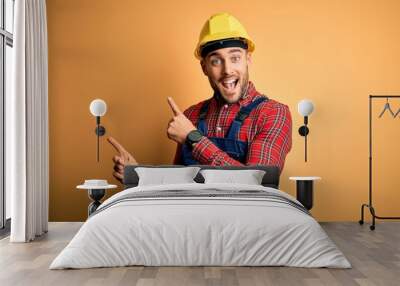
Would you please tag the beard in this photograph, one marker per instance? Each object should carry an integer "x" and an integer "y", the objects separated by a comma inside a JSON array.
[{"x": 244, "y": 83}]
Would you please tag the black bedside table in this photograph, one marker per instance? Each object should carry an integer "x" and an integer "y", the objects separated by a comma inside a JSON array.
[
  {"x": 304, "y": 190},
  {"x": 96, "y": 190}
]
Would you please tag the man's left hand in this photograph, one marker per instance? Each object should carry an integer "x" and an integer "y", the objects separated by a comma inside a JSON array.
[{"x": 179, "y": 126}]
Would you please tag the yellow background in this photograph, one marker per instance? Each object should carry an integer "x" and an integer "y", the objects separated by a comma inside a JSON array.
[{"x": 133, "y": 54}]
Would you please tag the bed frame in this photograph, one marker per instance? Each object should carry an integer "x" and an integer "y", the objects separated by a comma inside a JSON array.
[{"x": 270, "y": 179}]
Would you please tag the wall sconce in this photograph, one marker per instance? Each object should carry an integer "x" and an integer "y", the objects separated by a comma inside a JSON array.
[
  {"x": 98, "y": 108},
  {"x": 305, "y": 108}
]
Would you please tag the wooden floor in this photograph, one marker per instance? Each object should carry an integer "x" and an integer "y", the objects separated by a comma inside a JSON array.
[{"x": 374, "y": 255}]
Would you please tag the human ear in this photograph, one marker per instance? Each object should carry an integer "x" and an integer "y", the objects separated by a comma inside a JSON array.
[
  {"x": 249, "y": 58},
  {"x": 203, "y": 67}
]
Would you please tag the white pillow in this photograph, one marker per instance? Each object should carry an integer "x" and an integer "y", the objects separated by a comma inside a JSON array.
[
  {"x": 250, "y": 177},
  {"x": 163, "y": 176}
]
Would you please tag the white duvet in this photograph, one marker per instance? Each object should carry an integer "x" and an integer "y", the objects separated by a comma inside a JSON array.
[{"x": 183, "y": 231}]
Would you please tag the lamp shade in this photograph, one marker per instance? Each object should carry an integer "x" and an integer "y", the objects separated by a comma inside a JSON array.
[
  {"x": 305, "y": 107},
  {"x": 98, "y": 107}
]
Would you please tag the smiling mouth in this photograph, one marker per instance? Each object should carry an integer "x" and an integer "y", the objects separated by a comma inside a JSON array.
[{"x": 229, "y": 84}]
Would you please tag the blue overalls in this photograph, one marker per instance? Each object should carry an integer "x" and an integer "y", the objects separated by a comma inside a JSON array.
[{"x": 233, "y": 147}]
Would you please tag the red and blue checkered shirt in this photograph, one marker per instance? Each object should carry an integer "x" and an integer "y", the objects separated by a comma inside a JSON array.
[{"x": 267, "y": 130}]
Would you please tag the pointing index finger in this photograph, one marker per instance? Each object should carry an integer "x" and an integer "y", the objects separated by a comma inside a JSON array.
[
  {"x": 174, "y": 107},
  {"x": 116, "y": 145}
]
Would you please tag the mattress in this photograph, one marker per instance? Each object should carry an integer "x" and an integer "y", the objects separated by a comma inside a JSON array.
[{"x": 201, "y": 225}]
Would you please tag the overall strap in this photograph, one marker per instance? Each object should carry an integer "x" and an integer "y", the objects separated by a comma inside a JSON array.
[
  {"x": 242, "y": 115},
  {"x": 201, "y": 125}
]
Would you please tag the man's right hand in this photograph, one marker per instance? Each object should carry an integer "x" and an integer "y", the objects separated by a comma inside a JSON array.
[{"x": 120, "y": 160}]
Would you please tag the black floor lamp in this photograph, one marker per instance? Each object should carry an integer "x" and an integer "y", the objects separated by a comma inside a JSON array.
[{"x": 369, "y": 205}]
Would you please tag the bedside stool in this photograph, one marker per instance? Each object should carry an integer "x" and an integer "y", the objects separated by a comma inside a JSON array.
[
  {"x": 304, "y": 190},
  {"x": 96, "y": 190}
]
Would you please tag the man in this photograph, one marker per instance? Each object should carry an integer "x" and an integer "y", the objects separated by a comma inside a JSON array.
[{"x": 238, "y": 125}]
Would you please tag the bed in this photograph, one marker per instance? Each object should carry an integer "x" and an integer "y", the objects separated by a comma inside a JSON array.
[{"x": 201, "y": 224}]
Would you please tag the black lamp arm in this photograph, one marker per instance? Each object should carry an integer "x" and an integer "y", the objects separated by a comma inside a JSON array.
[
  {"x": 100, "y": 131},
  {"x": 303, "y": 131}
]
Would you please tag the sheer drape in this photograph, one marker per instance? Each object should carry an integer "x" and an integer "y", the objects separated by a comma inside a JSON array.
[{"x": 27, "y": 124}]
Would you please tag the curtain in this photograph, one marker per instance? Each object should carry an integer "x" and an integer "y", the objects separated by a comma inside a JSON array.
[{"x": 27, "y": 124}]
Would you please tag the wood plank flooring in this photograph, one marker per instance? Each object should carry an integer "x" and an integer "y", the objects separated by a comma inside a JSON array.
[{"x": 374, "y": 255}]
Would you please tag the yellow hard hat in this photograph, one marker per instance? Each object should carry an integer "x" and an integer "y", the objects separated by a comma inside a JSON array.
[{"x": 222, "y": 26}]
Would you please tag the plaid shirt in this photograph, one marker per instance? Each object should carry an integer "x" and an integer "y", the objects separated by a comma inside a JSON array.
[{"x": 267, "y": 130}]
